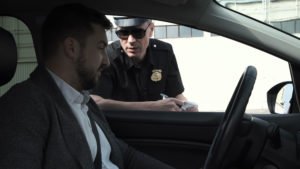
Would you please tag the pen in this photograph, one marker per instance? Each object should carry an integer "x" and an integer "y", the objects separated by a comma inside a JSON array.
[{"x": 164, "y": 96}]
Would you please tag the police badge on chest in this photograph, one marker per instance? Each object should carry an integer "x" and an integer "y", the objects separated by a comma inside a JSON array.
[{"x": 156, "y": 75}]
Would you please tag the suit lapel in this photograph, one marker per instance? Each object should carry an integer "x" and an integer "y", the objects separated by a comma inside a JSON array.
[
  {"x": 72, "y": 133},
  {"x": 74, "y": 136},
  {"x": 103, "y": 124}
]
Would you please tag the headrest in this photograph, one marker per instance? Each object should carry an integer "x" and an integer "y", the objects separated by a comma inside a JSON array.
[{"x": 8, "y": 56}]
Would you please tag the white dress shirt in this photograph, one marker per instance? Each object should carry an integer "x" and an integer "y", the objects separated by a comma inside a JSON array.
[{"x": 77, "y": 101}]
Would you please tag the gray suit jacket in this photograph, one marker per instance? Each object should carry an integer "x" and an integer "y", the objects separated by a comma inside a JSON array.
[{"x": 39, "y": 131}]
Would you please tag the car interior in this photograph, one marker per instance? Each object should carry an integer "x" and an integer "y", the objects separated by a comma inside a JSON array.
[{"x": 228, "y": 139}]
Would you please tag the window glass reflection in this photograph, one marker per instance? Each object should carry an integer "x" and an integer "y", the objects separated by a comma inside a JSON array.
[
  {"x": 197, "y": 33},
  {"x": 172, "y": 31},
  {"x": 185, "y": 31},
  {"x": 282, "y": 14},
  {"x": 160, "y": 32}
]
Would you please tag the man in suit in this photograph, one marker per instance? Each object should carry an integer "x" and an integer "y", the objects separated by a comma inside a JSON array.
[{"x": 49, "y": 120}]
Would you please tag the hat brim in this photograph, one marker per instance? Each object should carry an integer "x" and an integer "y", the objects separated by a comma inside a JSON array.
[{"x": 129, "y": 22}]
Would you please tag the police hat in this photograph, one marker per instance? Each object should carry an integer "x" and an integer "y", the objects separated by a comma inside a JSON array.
[{"x": 126, "y": 21}]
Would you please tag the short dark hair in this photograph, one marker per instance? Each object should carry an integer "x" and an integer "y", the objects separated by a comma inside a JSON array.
[{"x": 73, "y": 20}]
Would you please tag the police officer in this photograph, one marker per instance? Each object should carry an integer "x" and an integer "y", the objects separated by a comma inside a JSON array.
[{"x": 142, "y": 70}]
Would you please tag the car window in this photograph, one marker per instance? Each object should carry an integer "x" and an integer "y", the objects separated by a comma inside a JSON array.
[
  {"x": 26, "y": 53},
  {"x": 210, "y": 65},
  {"x": 281, "y": 14}
]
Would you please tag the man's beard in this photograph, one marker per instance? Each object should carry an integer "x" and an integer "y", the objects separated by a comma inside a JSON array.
[{"x": 87, "y": 77}]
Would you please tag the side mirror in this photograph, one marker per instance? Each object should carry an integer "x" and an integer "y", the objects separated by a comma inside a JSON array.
[{"x": 279, "y": 97}]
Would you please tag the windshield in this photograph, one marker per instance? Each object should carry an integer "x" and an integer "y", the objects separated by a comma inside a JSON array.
[{"x": 282, "y": 14}]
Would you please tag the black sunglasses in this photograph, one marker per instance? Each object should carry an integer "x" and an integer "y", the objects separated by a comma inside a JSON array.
[{"x": 137, "y": 33}]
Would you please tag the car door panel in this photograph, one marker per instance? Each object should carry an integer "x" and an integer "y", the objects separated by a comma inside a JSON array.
[
  {"x": 289, "y": 122},
  {"x": 181, "y": 139}
]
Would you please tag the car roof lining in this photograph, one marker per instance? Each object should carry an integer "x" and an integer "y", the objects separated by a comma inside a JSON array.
[
  {"x": 171, "y": 2},
  {"x": 194, "y": 13}
]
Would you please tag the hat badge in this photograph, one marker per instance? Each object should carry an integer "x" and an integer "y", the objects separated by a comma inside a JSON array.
[{"x": 156, "y": 75}]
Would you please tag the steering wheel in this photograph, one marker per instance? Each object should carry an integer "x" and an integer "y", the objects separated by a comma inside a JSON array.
[{"x": 233, "y": 115}]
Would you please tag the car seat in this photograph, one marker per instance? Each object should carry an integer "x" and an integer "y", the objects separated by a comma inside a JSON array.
[{"x": 8, "y": 56}]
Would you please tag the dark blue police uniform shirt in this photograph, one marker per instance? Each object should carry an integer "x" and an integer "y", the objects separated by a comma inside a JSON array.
[{"x": 126, "y": 81}]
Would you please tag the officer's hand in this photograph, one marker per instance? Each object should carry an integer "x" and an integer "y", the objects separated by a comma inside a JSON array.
[
  {"x": 168, "y": 104},
  {"x": 192, "y": 109},
  {"x": 97, "y": 99},
  {"x": 189, "y": 106}
]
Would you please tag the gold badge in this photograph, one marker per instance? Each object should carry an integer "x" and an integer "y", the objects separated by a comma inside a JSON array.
[{"x": 156, "y": 75}]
